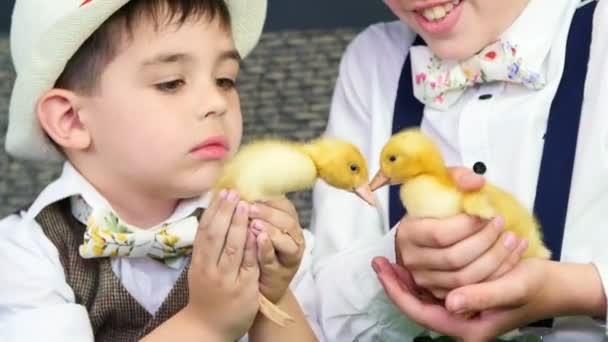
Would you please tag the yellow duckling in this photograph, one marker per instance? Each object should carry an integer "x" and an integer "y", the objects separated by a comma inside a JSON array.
[
  {"x": 271, "y": 168},
  {"x": 412, "y": 159}
]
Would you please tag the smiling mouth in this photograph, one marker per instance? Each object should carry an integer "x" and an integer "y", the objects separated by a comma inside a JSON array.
[{"x": 438, "y": 12}]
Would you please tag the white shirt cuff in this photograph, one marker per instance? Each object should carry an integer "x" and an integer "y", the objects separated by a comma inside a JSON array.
[{"x": 56, "y": 323}]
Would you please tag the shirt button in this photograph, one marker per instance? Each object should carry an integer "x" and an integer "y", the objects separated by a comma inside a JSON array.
[
  {"x": 479, "y": 168},
  {"x": 485, "y": 96}
]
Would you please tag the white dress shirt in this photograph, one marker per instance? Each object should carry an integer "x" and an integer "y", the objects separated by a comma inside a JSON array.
[
  {"x": 504, "y": 132},
  {"x": 36, "y": 303}
]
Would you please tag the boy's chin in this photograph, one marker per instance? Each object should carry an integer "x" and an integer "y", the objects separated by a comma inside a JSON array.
[
  {"x": 187, "y": 191},
  {"x": 455, "y": 50}
]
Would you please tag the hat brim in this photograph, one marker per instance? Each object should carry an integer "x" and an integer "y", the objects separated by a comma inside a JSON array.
[{"x": 25, "y": 137}]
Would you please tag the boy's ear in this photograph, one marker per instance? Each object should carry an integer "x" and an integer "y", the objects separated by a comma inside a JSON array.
[{"x": 57, "y": 112}]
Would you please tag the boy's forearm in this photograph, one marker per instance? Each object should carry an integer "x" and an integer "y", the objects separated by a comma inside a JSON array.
[
  {"x": 264, "y": 330},
  {"x": 576, "y": 290},
  {"x": 184, "y": 327}
]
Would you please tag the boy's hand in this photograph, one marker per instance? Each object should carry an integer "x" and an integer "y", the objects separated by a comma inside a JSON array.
[
  {"x": 280, "y": 245},
  {"x": 223, "y": 275},
  {"x": 443, "y": 254},
  {"x": 516, "y": 299},
  {"x": 535, "y": 289}
]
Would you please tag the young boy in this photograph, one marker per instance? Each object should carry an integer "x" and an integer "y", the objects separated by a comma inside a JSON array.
[
  {"x": 140, "y": 98},
  {"x": 514, "y": 90}
]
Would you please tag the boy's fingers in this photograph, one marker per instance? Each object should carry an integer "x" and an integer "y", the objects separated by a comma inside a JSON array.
[
  {"x": 511, "y": 261},
  {"x": 231, "y": 257},
  {"x": 495, "y": 294},
  {"x": 249, "y": 267},
  {"x": 397, "y": 290},
  {"x": 462, "y": 253},
  {"x": 466, "y": 179},
  {"x": 476, "y": 271},
  {"x": 212, "y": 209},
  {"x": 286, "y": 222},
  {"x": 441, "y": 233},
  {"x": 284, "y": 244},
  {"x": 266, "y": 252},
  {"x": 217, "y": 230},
  {"x": 431, "y": 315},
  {"x": 205, "y": 236}
]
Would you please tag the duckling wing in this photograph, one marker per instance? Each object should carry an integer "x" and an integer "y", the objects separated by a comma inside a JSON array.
[
  {"x": 268, "y": 169},
  {"x": 518, "y": 219},
  {"x": 424, "y": 196}
]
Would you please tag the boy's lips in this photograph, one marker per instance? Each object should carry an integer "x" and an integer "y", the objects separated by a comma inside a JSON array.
[
  {"x": 212, "y": 148},
  {"x": 443, "y": 25},
  {"x": 422, "y": 5}
]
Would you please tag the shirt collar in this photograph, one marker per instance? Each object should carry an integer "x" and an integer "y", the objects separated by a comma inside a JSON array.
[
  {"x": 534, "y": 32},
  {"x": 71, "y": 184}
]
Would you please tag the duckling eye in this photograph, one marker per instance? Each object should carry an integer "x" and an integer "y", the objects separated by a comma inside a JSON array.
[
  {"x": 392, "y": 159},
  {"x": 354, "y": 167}
]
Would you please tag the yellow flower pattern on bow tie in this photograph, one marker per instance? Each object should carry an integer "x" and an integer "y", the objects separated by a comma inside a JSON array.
[
  {"x": 111, "y": 240},
  {"x": 107, "y": 236}
]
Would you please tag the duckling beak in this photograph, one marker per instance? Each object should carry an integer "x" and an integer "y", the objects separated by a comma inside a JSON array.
[
  {"x": 379, "y": 180},
  {"x": 365, "y": 193}
]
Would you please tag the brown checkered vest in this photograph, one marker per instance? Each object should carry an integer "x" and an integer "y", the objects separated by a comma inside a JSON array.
[{"x": 114, "y": 314}]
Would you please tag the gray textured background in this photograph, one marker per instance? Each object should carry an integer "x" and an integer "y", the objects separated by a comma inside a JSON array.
[{"x": 285, "y": 86}]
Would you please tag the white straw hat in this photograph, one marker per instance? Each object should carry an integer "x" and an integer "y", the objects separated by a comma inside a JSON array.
[{"x": 45, "y": 34}]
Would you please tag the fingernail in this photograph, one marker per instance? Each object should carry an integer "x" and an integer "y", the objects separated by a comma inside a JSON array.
[
  {"x": 523, "y": 246},
  {"x": 510, "y": 241},
  {"x": 456, "y": 303},
  {"x": 499, "y": 222},
  {"x": 232, "y": 196},
  {"x": 242, "y": 207},
  {"x": 223, "y": 194},
  {"x": 254, "y": 210},
  {"x": 375, "y": 266},
  {"x": 258, "y": 225}
]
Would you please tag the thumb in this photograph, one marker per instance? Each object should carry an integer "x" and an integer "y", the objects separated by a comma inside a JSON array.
[
  {"x": 465, "y": 179},
  {"x": 496, "y": 294}
]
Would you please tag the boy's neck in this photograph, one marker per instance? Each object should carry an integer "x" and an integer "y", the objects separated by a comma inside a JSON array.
[
  {"x": 140, "y": 211},
  {"x": 139, "y": 208}
]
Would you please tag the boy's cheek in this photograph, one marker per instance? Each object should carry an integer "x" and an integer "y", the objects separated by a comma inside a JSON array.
[{"x": 234, "y": 133}]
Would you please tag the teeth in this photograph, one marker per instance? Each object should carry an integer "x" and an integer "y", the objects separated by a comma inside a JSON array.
[
  {"x": 439, "y": 12},
  {"x": 429, "y": 14}
]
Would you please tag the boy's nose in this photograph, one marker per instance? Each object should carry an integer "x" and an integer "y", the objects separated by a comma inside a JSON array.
[{"x": 214, "y": 102}]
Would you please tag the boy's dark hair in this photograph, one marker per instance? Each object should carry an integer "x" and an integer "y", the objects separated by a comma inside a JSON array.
[{"x": 83, "y": 69}]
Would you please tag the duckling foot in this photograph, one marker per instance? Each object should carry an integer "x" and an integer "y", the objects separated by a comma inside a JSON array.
[
  {"x": 478, "y": 204},
  {"x": 273, "y": 313}
]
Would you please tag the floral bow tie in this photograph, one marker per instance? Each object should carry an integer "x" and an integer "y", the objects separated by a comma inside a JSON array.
[
  {"x": 439, "y": 84},
  {"x": 107, "y": 236}
]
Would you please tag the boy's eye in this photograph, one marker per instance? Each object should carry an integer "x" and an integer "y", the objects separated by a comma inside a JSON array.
[
  {"x": 170, "y": 86},
  {"x": 226, "y": 83}
]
